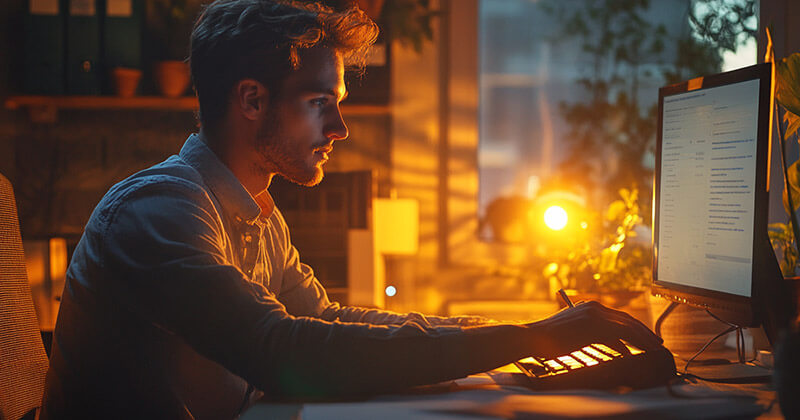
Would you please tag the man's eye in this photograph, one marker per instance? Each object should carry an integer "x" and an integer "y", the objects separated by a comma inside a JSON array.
[{"x": 319, "y": 101}]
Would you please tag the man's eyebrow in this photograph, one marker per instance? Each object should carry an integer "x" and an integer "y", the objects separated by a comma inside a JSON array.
[{"x": 330, "y": 92}]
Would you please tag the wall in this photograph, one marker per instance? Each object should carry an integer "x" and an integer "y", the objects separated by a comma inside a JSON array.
[
  {"x": 415, "y": 169},
  {"x": 61, "y": 170},
  {"x": 434, "y": 160}
]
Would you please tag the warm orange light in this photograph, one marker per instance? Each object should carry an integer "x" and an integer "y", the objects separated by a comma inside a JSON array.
[
  {"x": 58, "y": 259},
  {"x": 555, "y": 217}
]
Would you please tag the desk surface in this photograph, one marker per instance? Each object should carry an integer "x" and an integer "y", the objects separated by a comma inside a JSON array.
[{"x": 492, "y": 395}]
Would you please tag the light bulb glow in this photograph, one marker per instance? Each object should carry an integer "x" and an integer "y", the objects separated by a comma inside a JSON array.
[
  {"x": 555, "y": 217},
  {"x": 391, "y": 291}
]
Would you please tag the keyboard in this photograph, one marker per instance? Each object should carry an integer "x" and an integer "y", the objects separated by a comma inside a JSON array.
[{"x": 600, "y": 366}]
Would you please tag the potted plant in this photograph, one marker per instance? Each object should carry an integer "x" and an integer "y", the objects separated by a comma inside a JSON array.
[
  {"x": 787, "y": 95},
  {"x": 784, "y": 236},
  {"x": 408, "y": 21},
  {"x": 170, "y": 24},
  {"x": 613, "y": 267}
]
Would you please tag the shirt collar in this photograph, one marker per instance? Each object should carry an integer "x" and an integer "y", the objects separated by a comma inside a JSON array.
[{"x": 224, "y": 184}]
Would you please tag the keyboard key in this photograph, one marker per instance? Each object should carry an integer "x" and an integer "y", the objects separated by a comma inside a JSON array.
[
  {"x": 607, "y": 350},
  {"x": 597, "y": 354},
  {"x": 554, "y": 366},
  {"x": 584, "y": 358},
  {"x": 570, "y": 362}
]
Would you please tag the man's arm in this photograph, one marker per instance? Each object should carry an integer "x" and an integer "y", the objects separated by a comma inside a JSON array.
[
  {"x": 384, "y": 317},
  {"x": 303, "y": 294},
  {"x": 163, "y": 248}
]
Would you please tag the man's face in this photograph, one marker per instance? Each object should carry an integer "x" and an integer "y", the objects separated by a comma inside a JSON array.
[{"x": 303, "y": 119}]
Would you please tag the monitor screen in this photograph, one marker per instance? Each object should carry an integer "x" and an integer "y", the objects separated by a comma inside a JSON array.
[
  {"x": 710, "y": 244},
  {"x": 707, "y": 188}
]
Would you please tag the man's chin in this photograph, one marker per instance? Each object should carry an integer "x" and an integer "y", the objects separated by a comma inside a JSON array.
[{"x": 308, "y": 179}]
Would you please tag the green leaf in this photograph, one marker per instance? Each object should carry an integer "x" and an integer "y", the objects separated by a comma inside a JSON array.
[
  {"x": 787, "y": 78},
  {"x": 793, "y": 173}
]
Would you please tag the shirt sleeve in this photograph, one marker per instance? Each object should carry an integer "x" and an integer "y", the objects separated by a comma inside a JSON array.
[
  {"x": 303, "y": 294},
  {"x": 164, "y": 245}
]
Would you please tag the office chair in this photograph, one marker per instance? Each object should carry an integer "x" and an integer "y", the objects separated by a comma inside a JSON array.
[{"x": 23, "y": 361}]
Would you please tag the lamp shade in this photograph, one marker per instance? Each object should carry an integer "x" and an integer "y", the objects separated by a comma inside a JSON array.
[{"x": 396, "y": 226}]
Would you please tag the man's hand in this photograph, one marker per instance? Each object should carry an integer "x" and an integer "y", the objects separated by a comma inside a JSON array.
[{"x": 588, "y": 323}]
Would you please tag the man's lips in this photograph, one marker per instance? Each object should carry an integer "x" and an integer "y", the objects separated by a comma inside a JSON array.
[
  {"x": 325, "y": 148},
  {"x": 322, "y": 152}
]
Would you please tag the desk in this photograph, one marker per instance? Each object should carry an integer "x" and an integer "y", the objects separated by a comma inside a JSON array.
[{"x": 493, "y": 395}]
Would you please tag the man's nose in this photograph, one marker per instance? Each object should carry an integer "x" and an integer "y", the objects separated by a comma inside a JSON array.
[{"x": 336, "y": 129}]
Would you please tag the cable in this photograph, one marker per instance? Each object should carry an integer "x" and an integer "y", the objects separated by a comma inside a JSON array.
[
  {"x": 740, "y": 351},
  {"x": 705, "y": 346},
  {"x": 741, "y": 348},
  {"x": 757, "y": 379},
  {"x": 663, "y": 316}
]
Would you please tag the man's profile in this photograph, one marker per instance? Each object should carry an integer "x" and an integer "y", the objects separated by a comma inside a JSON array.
[{"x": 185, "y": 297}]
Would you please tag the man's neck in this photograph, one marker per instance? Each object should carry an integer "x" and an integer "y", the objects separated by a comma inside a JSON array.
[{"x": 234, "y": 153}]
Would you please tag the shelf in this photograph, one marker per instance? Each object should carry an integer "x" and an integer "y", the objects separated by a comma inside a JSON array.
[
  {"x": 45, "y": 108},
  {"x": 186, "y": 103}
]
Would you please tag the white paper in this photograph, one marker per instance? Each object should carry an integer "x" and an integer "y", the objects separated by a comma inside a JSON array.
[
  {"x": 81, "y": 8},
  {"x": 43, "y": 7},
  {"x": 119, "y": 8}
]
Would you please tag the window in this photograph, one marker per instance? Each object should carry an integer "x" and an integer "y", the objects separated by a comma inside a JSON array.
[{"x": 568, "y": 90}]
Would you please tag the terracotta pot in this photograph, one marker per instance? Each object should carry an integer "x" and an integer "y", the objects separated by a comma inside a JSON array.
[
  {"x": 126, "y": 81},
  {"x": 371, "y": 7},
  {"x": 172, "y": 77}
]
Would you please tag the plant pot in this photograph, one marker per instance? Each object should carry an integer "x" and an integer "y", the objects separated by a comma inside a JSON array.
[
  {"x": 793, "y": 286},
  {"x": 172, "y": 77},
  {"x": 126, "y": 81},
  {"x": 371, "y": 7},
  {"x": 787, "y": 374}
]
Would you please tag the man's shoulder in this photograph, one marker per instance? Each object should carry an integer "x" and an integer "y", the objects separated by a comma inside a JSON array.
[{"x": 169, "y": 180}]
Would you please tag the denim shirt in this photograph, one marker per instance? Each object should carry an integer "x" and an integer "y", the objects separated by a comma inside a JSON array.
[{"x": 186, "y": 299}]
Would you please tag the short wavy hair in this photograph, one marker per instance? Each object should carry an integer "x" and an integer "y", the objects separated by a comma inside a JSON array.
[{"x": 261, "y": 40}]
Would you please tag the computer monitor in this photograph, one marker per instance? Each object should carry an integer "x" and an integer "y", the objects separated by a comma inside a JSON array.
[{"x": 710, "y": 243}]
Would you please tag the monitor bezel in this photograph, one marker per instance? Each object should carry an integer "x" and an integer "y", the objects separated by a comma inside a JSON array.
[{"x": 737, "y": 309}]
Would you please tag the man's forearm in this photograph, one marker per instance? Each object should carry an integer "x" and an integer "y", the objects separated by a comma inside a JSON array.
[
  {"x": 350, "y": 359},
  {"x": 384, "y": 317}
]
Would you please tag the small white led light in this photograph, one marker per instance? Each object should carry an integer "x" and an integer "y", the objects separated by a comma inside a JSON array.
[{"x": 391, "y": 291}]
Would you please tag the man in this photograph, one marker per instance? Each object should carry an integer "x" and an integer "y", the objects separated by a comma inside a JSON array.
[{"x": 185, "y": 297}]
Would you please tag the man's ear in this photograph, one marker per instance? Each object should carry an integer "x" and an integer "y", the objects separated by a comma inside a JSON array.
[{"x": 251, "y": 98}]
